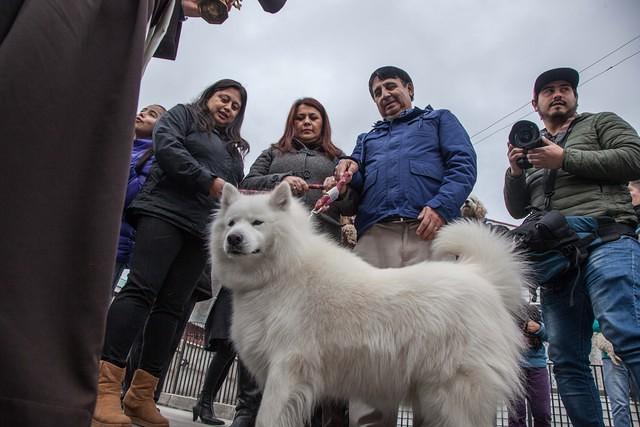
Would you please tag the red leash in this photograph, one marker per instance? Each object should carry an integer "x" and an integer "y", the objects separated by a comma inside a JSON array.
[
  {"x": 322, "y": 204},
  {"x": 331, "y": 196},
  {"x": 311, "y": 187}
]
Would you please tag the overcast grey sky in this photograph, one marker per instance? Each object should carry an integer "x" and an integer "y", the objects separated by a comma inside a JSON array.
[{"x": 476, "y": 58}]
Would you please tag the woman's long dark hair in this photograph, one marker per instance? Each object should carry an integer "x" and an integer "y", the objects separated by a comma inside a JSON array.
[
  {"x": 285, "y": 144},
  {"x": 206, "y": 123}
]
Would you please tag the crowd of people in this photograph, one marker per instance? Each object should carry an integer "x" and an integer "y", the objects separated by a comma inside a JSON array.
[
  {"x": 408, "y": 176},
  {"x": 411, "y": 156}
]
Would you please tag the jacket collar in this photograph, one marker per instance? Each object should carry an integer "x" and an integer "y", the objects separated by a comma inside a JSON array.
[
  {"x": 303, "y": 147},
  {"x": 406, "y": 116}
]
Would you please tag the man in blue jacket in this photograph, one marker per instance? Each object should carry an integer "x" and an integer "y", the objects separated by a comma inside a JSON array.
[{"x": 414, "y": 170}]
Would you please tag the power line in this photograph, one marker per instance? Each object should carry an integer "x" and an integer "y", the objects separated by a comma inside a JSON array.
[
  {"x": 610, "y": 53},
  {"x": 501, "y": 119},
  {"x": 607, "y": 69},
  {"x": 502, "y": 128},
  {"x": 584, "y": 69}
]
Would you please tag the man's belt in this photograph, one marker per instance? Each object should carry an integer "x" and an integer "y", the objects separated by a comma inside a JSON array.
[{"x": 397, "y": 219}]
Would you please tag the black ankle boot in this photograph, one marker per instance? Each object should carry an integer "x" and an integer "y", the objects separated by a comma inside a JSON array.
[
  {"x": 204, "y": 410},
  {"x": 249, "y": 398},
  {"x": 216, "y": 373}
]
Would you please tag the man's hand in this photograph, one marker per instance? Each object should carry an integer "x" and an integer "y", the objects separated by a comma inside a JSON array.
[
  {"x": 430, "y": 223},
  {"x": 345, "y": 165},
  {"x": 190, "y": 8},
  {"x": 550, "y": 156},
  {"x": 514, "y": 154}
]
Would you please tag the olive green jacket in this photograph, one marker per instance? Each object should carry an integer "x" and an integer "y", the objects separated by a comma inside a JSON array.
[{"x": 602, "y": 154}]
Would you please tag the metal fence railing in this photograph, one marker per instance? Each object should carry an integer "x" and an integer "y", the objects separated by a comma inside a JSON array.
[
  {"x": 190, "y": 362},
  {"x": 189, "y": 365}
]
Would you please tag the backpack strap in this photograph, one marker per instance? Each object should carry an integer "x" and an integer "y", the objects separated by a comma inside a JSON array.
[{"x": 549, "y": 179}]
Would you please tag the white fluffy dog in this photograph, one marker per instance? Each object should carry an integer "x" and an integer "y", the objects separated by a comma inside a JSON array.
[{"x": 312, "y": 320}]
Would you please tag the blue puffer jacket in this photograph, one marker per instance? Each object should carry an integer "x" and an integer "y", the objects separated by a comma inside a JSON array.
[
  {"x": 422, "y": 158},
  {"x": 136, "y": 180}
]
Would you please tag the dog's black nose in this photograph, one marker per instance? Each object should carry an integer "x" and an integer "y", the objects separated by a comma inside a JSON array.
[{"x": 234, "y": 239}]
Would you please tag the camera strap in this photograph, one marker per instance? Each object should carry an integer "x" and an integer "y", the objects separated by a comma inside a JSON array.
[{"x": 549, "y": 179}]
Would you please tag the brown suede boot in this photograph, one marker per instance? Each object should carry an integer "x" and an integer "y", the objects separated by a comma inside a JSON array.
[
  {"x": 139, "y": 404},
  {"x": 108, "y": 412}
]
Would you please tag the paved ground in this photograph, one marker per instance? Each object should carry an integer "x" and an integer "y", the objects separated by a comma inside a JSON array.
[{"x": 180, "y": 418}]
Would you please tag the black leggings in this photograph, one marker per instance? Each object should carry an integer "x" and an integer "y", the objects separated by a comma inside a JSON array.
[{"x": 167, "y": 262}]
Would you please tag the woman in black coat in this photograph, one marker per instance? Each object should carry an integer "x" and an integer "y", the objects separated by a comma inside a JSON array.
[{"x": 198, "y": 149}]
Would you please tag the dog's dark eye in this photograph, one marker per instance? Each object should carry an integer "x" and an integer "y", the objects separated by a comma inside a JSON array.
[
  {"x": 256, "y": 222},
  {"x": 231, "y": 223}
]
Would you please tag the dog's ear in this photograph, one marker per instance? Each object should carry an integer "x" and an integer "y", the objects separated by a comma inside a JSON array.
[
  {"x": 229, "y": 195},
  {"x": 281, "y": 196}
]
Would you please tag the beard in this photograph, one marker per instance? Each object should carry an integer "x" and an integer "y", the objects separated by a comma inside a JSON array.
[{"x": 560, "y": 117}]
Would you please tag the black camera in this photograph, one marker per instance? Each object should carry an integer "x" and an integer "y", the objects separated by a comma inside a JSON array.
[{"x": 526, "y": 135}]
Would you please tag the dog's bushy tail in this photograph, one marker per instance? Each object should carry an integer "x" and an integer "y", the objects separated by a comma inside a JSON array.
[{"x": 475, "y": 242}]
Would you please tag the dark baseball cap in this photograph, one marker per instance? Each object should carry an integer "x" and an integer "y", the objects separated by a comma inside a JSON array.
[{"x": 567, "y": 74}]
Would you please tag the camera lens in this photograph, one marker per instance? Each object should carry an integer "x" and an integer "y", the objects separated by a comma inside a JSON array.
[{"x": 524, "y": 134}]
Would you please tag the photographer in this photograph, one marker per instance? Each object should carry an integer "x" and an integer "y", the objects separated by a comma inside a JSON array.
[{"x": 593, "y": 156}]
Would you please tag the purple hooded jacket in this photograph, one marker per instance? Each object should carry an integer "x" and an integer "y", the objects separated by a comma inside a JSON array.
[{"x": 136, "y": 180}]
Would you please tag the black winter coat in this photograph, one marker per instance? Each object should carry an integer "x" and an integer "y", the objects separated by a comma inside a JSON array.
[{"x": 187, "y": 160}]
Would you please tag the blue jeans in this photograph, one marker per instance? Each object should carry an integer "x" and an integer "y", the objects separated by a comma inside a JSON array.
[
  {"x": 618, "y": 384},
  {"x": 610, "y": 290}
]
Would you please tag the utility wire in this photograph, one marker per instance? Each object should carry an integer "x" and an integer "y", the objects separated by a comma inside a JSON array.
[
  {"x": 610, "y": 53},
  {"x": 502, "y": 128},
  {"x": 584, "y": 69},
  {"x": 607, "y": 69},
  {"x": 531, "y": 112},
  {"x": 501, "y": 119}
]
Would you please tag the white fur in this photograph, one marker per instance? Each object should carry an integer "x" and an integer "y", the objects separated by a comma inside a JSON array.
[{"x": 312, "y": 320}]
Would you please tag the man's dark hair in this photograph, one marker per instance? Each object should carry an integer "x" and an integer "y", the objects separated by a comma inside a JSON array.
[{"x": 389, "y": 72}]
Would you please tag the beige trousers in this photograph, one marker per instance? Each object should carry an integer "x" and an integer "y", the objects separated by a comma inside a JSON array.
[{"x": 387, "y": 245}]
